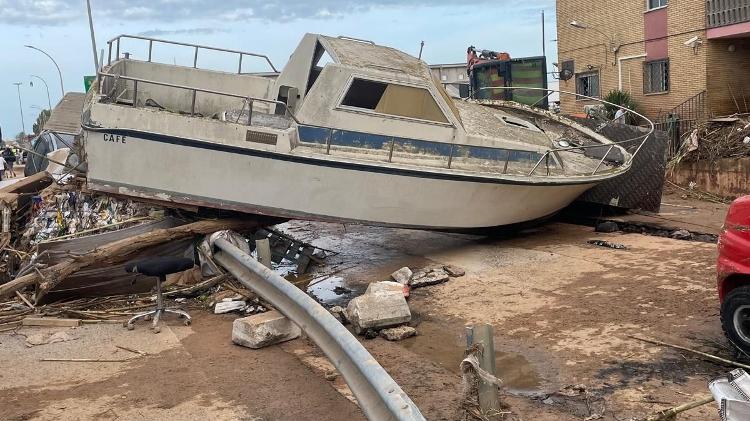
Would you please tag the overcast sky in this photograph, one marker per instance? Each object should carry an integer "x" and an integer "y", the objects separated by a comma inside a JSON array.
[{"x": 272, "y": 27}]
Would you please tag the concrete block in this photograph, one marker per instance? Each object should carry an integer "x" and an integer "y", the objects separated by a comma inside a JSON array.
[
  {"x": 388, "y": 286},
  {"x": 261, "y": 330},
  {"x": 402, "y": 275},
  {"x": 377, "y": 310}
]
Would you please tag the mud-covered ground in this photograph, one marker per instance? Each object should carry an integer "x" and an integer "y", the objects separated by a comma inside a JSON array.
[{"x": 562, "y": 311}]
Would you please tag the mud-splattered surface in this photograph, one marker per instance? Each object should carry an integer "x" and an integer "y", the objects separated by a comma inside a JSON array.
[{"x": 561, "y": 310}]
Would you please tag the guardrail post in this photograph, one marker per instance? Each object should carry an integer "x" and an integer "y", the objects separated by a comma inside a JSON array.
[
  {"x": 150, "y": 47},
  {"x": 482, "y": 335},
  {"x": 195, "y": 58}
]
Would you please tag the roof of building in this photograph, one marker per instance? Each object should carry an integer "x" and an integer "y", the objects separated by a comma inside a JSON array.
[
  {"x": 368, "y": 55},
  {"x": 66, "y": 116}
]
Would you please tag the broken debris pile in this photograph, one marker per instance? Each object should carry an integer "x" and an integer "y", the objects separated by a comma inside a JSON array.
[
  {"x": 64, "y": 212},
  {"x": 715, "y": 139}
]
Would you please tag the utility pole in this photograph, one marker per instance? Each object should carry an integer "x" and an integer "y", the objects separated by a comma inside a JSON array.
[
  {"x": 544, "y": 46},
  {"x": 93, "y": 39},
  {"x": 49, "y": 102},
  {"x": 20, "y": 106},
  {"x": 62, "y": 89}
]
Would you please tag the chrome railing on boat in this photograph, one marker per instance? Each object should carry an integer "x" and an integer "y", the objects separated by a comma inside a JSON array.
[
  {"x": 545, "y": 156},
  {"x": 249, "y": 100},
  {"x": 196, "y": 47}
]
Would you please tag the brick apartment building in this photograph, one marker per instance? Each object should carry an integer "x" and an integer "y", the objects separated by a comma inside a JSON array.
[{"x": 687, "y": 57}]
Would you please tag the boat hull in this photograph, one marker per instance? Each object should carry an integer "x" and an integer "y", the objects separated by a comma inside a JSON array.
[{"x": 207, "y": 174}]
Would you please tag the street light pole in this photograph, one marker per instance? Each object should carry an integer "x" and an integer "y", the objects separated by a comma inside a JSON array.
[
  {"x": 49, "y": 103},
  {"x": 62, "y": 89},
  {"x": 20, "y": 106}
]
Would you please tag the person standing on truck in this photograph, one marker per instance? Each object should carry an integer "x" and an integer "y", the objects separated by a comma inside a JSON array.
[{"x": 10, "y": 159}]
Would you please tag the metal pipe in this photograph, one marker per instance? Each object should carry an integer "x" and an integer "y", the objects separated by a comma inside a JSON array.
[
  {"x": 538, "y": 163},
  {"x": 109, "y": 55},
  {"x": 117, "y": 55},
  {"x": 192, "y": 106},
  {"x": 93, "y": 38},
  {"x": 602, "y": 160},
  {"x": 205, "y": 47},
  {"x": 249, "y": 112},
  {"x": 150, "y": 48},
  {"x": 20, "y": 105},
  {"x": 379, "y": 396},
  {"x": 239, "y": 67},
  {"x": 195, "y": 58},
  {"x": 208, "y": 91}
]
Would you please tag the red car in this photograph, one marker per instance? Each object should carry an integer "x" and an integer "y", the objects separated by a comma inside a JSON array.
[{"x": 733, "y": 277}]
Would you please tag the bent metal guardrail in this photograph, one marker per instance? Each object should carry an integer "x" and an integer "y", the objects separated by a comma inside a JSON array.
[
  {"x": 546, "y": 155},
  {"x": 248, "y": 99},
  {"x": 379, "y": 396},
  {"x": 196, "y": 47}
]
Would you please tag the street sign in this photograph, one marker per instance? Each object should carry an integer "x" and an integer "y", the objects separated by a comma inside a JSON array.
[{"x": 87, "y": 82}]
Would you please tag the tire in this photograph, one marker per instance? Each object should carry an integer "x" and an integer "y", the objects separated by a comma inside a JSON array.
[{"x": 735, "y": 317}]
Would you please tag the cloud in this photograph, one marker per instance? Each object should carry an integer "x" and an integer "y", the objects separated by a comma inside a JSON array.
[
  {"x": 185, "y": 31},
  {"x": 46, "y": 12}
]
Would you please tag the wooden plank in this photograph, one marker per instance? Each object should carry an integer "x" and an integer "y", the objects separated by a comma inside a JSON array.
[{"x": 50, "y": 322}]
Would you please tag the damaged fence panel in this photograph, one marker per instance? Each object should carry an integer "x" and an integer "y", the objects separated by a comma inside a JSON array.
[{"x": 379, "y": 396}]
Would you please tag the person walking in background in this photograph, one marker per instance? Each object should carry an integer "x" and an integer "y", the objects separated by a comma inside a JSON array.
[{"x": 10, "y": 160}]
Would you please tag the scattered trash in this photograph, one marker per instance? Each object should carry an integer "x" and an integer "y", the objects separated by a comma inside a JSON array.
[
  {"x": 602, "y": 243},
  {"x": 262, "y": 330},
  {"x": 398, "y": 333},
  {"x": 229, "y": 306}
]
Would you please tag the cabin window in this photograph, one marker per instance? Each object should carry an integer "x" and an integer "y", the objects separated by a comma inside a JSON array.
[{"x": 393, "y": 99}]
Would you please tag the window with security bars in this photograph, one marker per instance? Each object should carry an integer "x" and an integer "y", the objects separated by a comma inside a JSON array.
[
  {"x": 588, "y": 84},
  {"x": 654, "y": 4},
  {"x": 656, "y": 76}
]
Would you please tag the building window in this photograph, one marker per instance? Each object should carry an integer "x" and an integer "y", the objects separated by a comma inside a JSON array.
[
  {"x": 656, "y": 76},
  {"x": 655, "y": 4},
  {"x": 588, "y": 84}
]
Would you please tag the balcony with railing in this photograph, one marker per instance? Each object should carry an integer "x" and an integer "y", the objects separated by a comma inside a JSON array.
[{"x": 726, "y": 18}]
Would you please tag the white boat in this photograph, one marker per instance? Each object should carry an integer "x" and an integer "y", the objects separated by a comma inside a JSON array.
[{"x": 348, "y": 131}]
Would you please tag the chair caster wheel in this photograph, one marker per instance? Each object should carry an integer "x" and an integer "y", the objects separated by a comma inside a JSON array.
[
  {"x": 130, "y": 327},
  {"x": 157, "y": 329},
  {"x": 187, "y": 322}
]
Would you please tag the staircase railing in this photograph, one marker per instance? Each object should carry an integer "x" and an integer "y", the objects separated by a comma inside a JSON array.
[{"x": 682, "y": 119}]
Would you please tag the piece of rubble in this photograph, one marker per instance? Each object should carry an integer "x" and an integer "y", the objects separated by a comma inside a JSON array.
[
  {"x": 261, "y": 330},
  {"x": 454, "y": 271},
  {"x": 681, "y": 235},
  {"x": 229, "y": 306},
  {"x": 607, "y": 226},
  {"x": 377, "y": 310},
  {"x": 385, "y": 286},
  {"x": 331, "y": 375},
  {"x": 433, "y": 277},
  {"x": 46, "y": 338},
  {"x": 402, "y": 275},
  {"x": 339, "y": 313},
  {"x": 398, "y": 333}
]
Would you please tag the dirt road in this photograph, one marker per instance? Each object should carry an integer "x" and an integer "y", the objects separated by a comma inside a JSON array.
[{"x": 562, "y": 311}]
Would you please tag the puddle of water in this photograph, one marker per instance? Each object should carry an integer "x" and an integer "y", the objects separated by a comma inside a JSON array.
[
  {"x": 444, "y": 344},
  {"x": 335, "y": 291}
]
